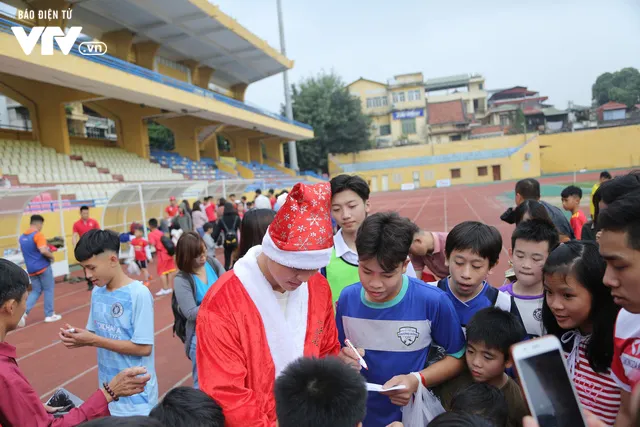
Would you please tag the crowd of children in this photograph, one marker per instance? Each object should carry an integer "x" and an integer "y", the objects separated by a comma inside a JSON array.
[{"x": 388, "y": 342}]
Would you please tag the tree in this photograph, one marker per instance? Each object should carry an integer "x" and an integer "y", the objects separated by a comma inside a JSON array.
[
  {"x": 336, "y": 117},
  {"x": 160, "y": 137},
  {"x": 519, "y": 123},
  {"x": 620, "y": 86}
]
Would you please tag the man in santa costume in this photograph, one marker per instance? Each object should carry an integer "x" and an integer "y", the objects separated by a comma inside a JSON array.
[{"x": 273, "y": 308}]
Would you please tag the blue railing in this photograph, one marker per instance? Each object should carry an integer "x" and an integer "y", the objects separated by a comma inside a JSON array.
[{"x": 127, "y": 67}]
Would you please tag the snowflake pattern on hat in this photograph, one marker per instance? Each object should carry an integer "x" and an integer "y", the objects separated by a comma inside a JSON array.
[{"x": 303, "y": 223}]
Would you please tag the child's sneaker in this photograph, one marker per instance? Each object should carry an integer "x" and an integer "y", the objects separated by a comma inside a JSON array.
[
  {"x": 53, "y": 318},
  {"x": 23, "y": 321}
]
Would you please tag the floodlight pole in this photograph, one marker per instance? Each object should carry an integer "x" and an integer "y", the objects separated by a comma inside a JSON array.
[{"x": 293, "y": 154}]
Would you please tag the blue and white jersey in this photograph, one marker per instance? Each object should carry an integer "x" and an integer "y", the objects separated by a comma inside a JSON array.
[
  {"x": 125, "y": 314},
  {"x": 396, "y": 336},
  {"x": 487, "y": 297}
]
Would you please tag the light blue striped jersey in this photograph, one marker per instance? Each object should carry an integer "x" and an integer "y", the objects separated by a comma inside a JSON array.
[
  {"x": 125, "y": 314},
  {"x": 397, "y": 335}
]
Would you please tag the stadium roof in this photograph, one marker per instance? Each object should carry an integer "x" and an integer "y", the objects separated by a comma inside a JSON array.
[{"x": 186, "y": 30}]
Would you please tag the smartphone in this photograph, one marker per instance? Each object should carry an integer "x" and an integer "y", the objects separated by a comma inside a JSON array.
[{"x": 544, "y": 377}]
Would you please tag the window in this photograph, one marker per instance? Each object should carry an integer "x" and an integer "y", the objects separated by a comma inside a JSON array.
[
  {"x": 414, "y": 95},
  {"x": 481, "y": 86},
  {"x": 397, "y": 178},
  {"x": 398, "y": 97},
  {"x": 455, "y": 173},
  {"x": 408, "y": 126},
  {"x": 482, "y": 171},
  {"x": 385, "y": 101},
  {"x": 385, "y": 130},
  {"x": 456, "y": 138},
  {"x": 379, "y": 101},
  {"x": 369, "y": 102},
  {"x": 428, "y": 175},
  {"x": 504, "y": 120}
]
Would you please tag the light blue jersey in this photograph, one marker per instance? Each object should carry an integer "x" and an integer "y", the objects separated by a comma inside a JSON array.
[{"x": 125, "y": 314}]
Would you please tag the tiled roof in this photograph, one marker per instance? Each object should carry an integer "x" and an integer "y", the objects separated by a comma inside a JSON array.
[
  {"x": 446, "y": 112},
  {"x": 486, "y": 129},
  {"x": 612, "y": 106}
]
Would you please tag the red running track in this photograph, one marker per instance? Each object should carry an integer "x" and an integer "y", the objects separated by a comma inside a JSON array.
[{"x": 49, "y": 365}]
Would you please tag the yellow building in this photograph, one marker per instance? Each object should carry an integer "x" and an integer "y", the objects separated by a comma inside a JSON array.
[
  {"x": 466, "y": 162},
  {"x": 409, "y": 110},
  {"x": 182, "y": 63}
]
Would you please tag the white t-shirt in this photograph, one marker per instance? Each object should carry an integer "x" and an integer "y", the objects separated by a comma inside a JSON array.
[
  {"x": 283, "y": 299},
  {"x": 262, "y": 202}
]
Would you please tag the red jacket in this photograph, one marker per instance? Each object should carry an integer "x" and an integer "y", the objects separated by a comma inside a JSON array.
[{"x": 235, "y": 366}]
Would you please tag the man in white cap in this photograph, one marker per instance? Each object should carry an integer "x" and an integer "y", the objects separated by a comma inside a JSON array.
[{"x": 273, "y": 308}]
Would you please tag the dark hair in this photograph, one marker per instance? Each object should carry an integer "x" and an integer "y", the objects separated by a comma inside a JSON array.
[
  {"x": 528, "y": 188},
  {"x": 272, "y": 191},
  {"x": 14, "y": 281},
  {"x": 196, "y": 205},
  {"x": 230, "y": 209},
  {"x": 482, "y": 400},
  {"x": 188, "y": 407},
  {"x": 258, "y": 191},
  {"x": 536, "y": 230},
  {"x": 354, "y": 183},
  {"x": 482, "y": 239},
  {"x": 136, "y": 421},
  {"x": 232, "y": 196},
  {"x": 496, "y": 328},
  {"x": 571, "y": 190},
  {"x": 222, "y": 201},
  {"x": 95, "y": 242},
  {"x": 36, "y": 219},
  {"x": 190, "y": 246},
  {"x": 386, "y": 237},
  {"x": 320, "y": 393},
  {"x": 243, "y": 198},
  {"x": 534, "y": 208},
  {"x": 207, "y": 226},
  {"x": 595, "y": 200},
  {"x": 153, "y": 223},
  {"x": 623, "y": 215},
  {"x": 459, "y": 419},
  {"x": 582, "y": 260},
  {"x": 619, "y": 186},
  {"x": 184, "y": 205},
  {"x": 605, "y": 174},
  {"x": 84, "y": 208},
  {"x": 253, "y": 228}
]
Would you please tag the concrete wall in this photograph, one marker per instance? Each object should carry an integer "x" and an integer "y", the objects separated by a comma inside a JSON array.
[{"x": 617, "y": 147}]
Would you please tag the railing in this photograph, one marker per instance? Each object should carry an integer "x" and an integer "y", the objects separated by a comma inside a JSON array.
[{"x": 127, "y": 67}]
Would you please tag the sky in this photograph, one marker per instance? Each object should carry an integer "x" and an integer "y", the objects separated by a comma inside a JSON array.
[{"x": 556, "y": 47}]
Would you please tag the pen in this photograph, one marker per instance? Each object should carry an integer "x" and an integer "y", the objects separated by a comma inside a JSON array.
[{"x": 360, "y": 359}]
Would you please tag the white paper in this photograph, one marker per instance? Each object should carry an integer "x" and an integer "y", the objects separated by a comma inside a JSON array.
[{"x": 378, "y": 387}]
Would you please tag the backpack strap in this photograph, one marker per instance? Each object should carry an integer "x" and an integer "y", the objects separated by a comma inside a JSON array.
[
  {"x": 226, "y": 230},
  {"x": 192, "y": 283}
]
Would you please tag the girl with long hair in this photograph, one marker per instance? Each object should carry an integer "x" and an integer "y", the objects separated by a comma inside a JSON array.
[{"x": 578, "y": 309}]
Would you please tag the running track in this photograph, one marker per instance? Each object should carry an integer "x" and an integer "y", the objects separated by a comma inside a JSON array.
[{"x": 49, "y": 365}]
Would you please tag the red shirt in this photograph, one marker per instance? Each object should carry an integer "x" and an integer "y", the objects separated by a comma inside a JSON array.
[
  {"x": 81, "y": 226},
  {"x": 578, "y": 219},
  {"x": 22, "y": 406},
  {"x": 210, "y": 210},
  {"x": 139, "y": 244},
  {"x": 171, "y": 211},
  {"x": 155, "y": 239}
]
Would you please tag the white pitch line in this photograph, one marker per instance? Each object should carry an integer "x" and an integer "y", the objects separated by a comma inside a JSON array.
[
  {"x": 178, "y": 384},
  {"x": 38, "y": 350},
  {"x": 423, "y": 205},
  {"x": 81, "y": 374}
]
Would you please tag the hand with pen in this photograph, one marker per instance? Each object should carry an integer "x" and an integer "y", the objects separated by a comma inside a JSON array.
[
  {"x": 402, "y": 396},
  {"x": 352, "y": 356}
]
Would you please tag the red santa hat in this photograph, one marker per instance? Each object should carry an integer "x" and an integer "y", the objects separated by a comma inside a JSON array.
[{"x": 301, "y": 235}]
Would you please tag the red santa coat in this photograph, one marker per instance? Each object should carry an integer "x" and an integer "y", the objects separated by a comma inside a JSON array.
[{"x": 234, "y": 359}]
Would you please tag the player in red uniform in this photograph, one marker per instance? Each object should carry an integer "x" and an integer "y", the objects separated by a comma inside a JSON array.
[
  {"x": 81, "y": 226},
  {"x": 140, "y": 244},
  {"x": 571, "y": 197}
]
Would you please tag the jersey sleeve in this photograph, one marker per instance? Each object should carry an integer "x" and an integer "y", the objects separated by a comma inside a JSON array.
[
  {"x": 142, "y": 316},
  {"x": 75, "y": 228},
  {"x": 339, "y": 314},
  {"x": 445, "y": 327},
  {"x": 39, "y": 240},
  {"x": 90, "y": 326}
]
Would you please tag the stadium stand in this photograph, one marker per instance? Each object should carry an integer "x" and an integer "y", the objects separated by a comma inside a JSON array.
[
  {"x": 262, "y": 171},
  {"x": 128, "y": 165},
  {"x": 204, "y": 169}
]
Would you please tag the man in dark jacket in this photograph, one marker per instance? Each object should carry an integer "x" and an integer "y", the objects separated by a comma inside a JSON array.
[{"x": 529, "y": 189}]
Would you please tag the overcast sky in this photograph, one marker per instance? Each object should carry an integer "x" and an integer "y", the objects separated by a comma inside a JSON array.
[{"x": 556, "y": 47}]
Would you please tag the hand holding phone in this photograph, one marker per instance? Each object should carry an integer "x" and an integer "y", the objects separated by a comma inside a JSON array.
[{"x": 548, "y": 389}]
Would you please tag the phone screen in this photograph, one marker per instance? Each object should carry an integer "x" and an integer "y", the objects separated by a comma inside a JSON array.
[{"x": 552, "y": 400}]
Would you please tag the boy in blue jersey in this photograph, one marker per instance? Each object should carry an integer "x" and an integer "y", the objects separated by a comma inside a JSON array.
[
  {"x": 393, "y": 319},
  {"x": 120, "y": 322},
  {"x": 472, "y": 250}
]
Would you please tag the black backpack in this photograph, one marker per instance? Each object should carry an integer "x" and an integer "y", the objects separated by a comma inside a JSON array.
[
  {"x": 179, "y": 320},
  {"x": 230, "y": 236},
  {"x": 168, "y": 245}
]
